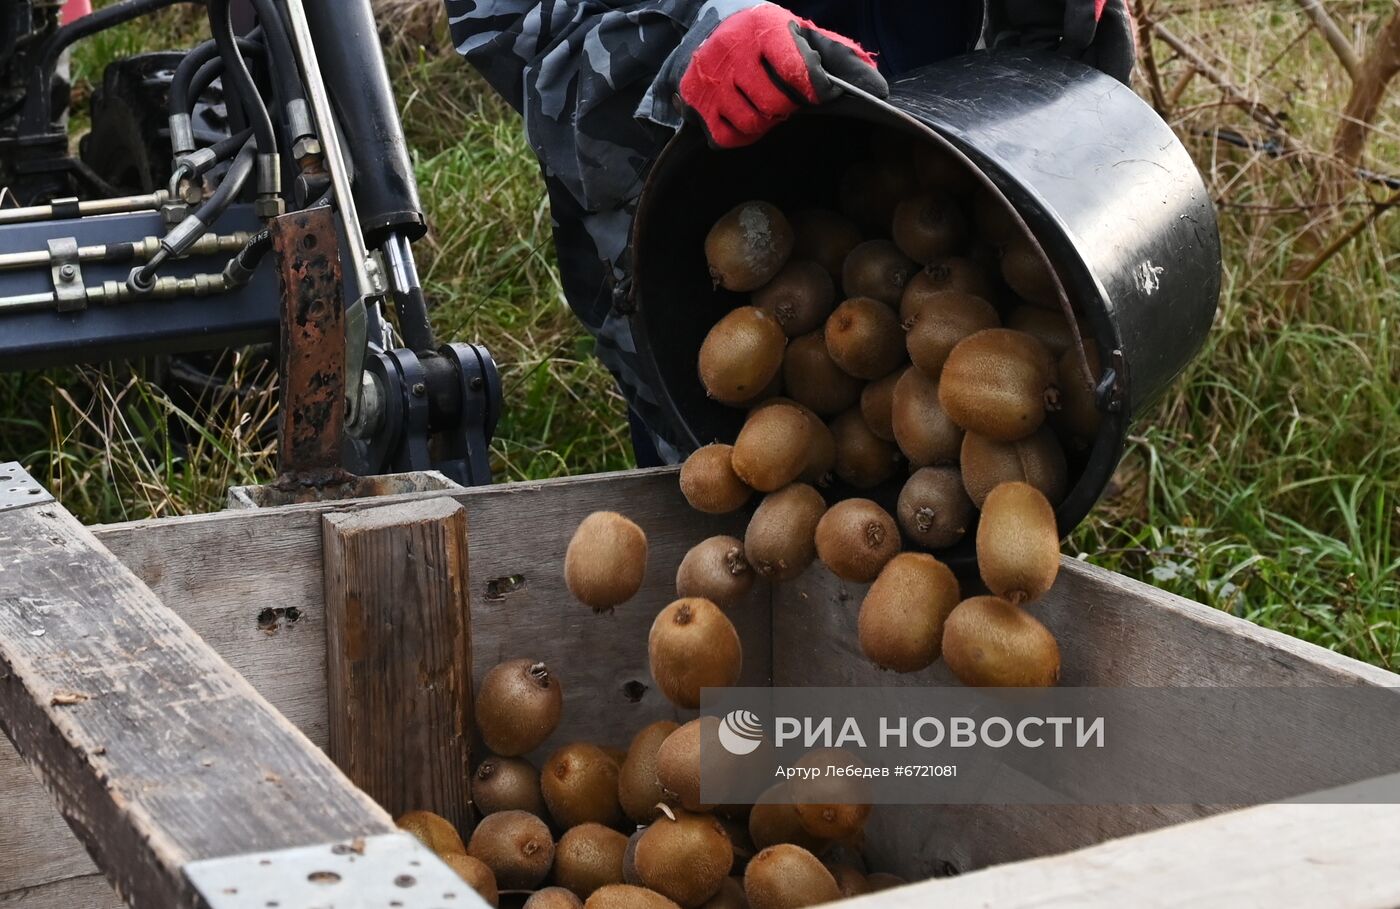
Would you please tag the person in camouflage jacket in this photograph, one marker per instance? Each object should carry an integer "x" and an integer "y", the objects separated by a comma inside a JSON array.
[{"x": 603, "y": 84}]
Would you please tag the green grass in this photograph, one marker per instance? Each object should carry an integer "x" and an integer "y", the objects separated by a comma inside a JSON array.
[{"x": 1266, "y": 482}]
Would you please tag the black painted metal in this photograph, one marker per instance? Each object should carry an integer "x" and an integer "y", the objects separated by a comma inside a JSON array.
[{"x": 1107, "y": 189}]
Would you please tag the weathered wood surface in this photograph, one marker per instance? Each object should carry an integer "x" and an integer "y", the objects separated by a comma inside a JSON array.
[
  {"x": 157, "y": 752},
  {"x": 398, "y": 639},
  {"x": 1112, "y": 632}
]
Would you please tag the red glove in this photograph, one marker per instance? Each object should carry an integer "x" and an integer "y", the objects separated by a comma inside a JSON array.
[{"x": 763, "y": 63}]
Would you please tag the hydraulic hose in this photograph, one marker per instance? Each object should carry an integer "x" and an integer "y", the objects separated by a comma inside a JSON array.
[
  {"x": 290, "y": 91},
  {"x": 200, "y": 67},
  {"x": 236, "y": 72},
  {"x": 240, "y": 268}
]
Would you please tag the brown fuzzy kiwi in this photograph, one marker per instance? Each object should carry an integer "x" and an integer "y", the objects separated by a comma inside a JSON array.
[
  {"x": 881, "y": 880},
  {"x": 781, "y": 538},
  {"x": 863, "y": 459},
  {"x": 476, "y": 874},
  {"x": 993, "y": 218},
  {"x": 692, "y": 645},
  {"x": 870, "y": 190},
  {"x": 517, "y": 706},
  {"x": 990, "y": 643},
  {"x": 928, "y": 226},
  {"x": 1018, "y": 543},
  {"x": 506, "y": 784},
  {"x": 950, "y": 274},
  {"x": 774, "y": 820},
  {"x": 998, "y": 383},
  {"x": 771, "y": 450},
  {"x": 799, "y": 297},
  {"x": 516, "y": 847},
  {"x": 553, "y": 898},
  {"x": 830, "y": 807},
  {"x": 937, "y": 168},
  {"x": 730, "y": 896},
  {"x": 855, "y": 538},
  {"x": 579, "y": 782},
  {"x": 587, "y": 857},
  {"x": 432, "y": 830},
  {"x": 788, "y": 877},
  {"x": 864, "y": 338},
  {"x": 1079, "y": 417},
  {"x": 877, "y": 269},
  {"x": 849, "y": 879},
  {"x": 678, "y": 764},
  {"x": 715, "y": 569},
  {"x": 824, "y": 237},
  {"x": 933, "y": 509},
  {"x": 924, "y": 430},
  {"x": 1047, "y": 325},
  {"x": 821, "y": 446},
  {"x": 902, "y": 615},
  {"x": 875, "y": 404},
  {"x": 1026, "y": 274},
  {"x": 813, "y": 379},
  {"x": 741, "y": 355},
  {"x": 748, "y": 245},
  {"x": 627, "y": 896},
  {"x": 709, "y": 483},
  {"x": 940, "y": 323},
  {"x": 684, "y": 857},
  {"x": 638, "y": 788},
  {"x": 1037, "y": 459},
  {"x": 606, "y": 561}
]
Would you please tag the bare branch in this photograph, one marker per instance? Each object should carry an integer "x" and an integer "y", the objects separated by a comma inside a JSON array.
[{"x": 1343, "y": 48}]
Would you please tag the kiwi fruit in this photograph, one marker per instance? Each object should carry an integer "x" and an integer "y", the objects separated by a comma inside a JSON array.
[
  {"x": 855, "y": 538},
  {"x": 638, "y": 788},
  {"x": 432, "y": 830},
  {"x": 829, "y": 807},
  {"x": 1049, "y": 326},
  {"x": 684, "y": 857},
  {"x": 729, "y": 896},
  {"x": 821, "y": 447},
  {"x": 709, "y": 483},
  {"x": 824, "y": 237},
  {"x": 928, "y": 226},
  {"x": 870, "y": 190},
  {"x": 774, "y": 820},
  {"x": 934, "y": 510},
  {"x": 1025, "y": 273},
  {"x": 902, "y": 616},
  {"x": 678, "y": 763},
  {"x": 785, "y": 876},
  {"x": 781, "y": 538},
  {"x": 606, "y": 561},
  {"x": 990, "y": 643},
  {"x": 516, "y": 847},
  {"x": 864, "y": 338},
  {"x": 863, "y": 459},
  {"x": 517, "y": 706},
  {"x": 1018, "y": 543},
  {"x": 506, "y": 784},
  {"x": 994, "y": 220},
  {"x": 881, "y": 880},
  {"x": 553, "y": 898},
  {"x": 715, "y": 569},
  {"x": 1079, "y": 416},
  {"x": 849, "y": 879},
  {"x": 741, "y": 355},
  {"x": 937, "y": 168},
  {"x": 627, "y": 896},
  {"x": 949, "y": 274},
  {"x": 1037, "y": 459},
  {"x": 877, "y": 269},
  {"x": 771, "y": 450},
  {"x": 813, "y": 379},
  {"x": 998, "y": 383},
  {"x": 924, "y": 430},
  {"x": 799, "y": 297},
  {"x": 579, "y": 783},
  {"x": 875, "y": 403},
  {"x": 476, "y": 874},
  {"x": 940, "y": 323},
  {"x": 587, "y": 857},
  {"x": 692, "y": 645},
  {"x": 748, "y": 245}
]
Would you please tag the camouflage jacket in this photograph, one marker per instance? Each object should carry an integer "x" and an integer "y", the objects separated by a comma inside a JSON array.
[{"x": 594, "y": 81}]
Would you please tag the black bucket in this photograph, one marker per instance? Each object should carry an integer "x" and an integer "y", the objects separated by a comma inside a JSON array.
[{"x": 1101, "y": 181}]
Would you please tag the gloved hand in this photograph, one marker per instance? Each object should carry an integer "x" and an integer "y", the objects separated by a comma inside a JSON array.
[
  {"x": 1096, "y": 32},
  {"x": 761, "y": 64}
]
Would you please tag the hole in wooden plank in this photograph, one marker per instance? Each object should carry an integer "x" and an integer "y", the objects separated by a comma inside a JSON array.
[
  {"x": 323, "y": 877},
  {"x": 267, "y": 619},
  {"x": 633, "y": 691},
  {"x": 497, "y": 588}
]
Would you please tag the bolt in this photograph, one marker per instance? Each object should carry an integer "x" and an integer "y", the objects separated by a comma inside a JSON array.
[
  {"x": 68, "y": 272},
  {"x": 477, "y": 383},
  {"x": 419, "y": 389}
]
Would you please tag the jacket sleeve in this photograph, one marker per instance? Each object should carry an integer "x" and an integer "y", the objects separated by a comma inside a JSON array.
[{"x": 594, "y": 80}]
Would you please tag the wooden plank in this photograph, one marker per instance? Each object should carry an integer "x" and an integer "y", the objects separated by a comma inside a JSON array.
[
  {"x": 398, "y": 632},
  {"x": 140, "y": 729}
]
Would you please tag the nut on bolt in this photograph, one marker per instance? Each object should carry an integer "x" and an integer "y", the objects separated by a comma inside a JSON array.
[
  {"x": 267, "y": 207},
  {"x": 305, "y": 147}
]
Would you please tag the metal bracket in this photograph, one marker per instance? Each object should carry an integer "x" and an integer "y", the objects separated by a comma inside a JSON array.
[
  {"x": 375, "y": 872},
  {"x": 18, "y": 489},
  {"x": 67, "y": 271}
]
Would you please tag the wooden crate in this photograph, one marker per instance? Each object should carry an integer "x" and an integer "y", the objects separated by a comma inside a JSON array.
[{"x": 251, "y": 584}]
